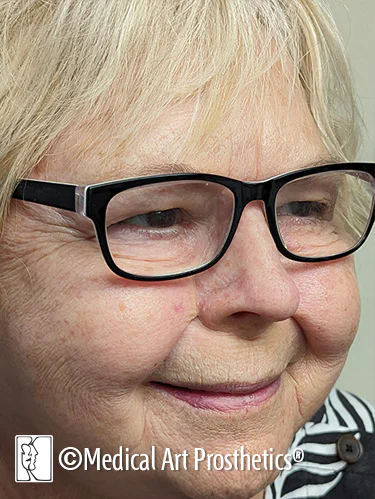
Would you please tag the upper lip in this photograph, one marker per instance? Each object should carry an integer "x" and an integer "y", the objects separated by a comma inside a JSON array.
[{"x": 234, "y": 387}]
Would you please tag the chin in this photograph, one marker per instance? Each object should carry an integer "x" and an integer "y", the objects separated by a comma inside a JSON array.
[{"x": 216, "y": 484}]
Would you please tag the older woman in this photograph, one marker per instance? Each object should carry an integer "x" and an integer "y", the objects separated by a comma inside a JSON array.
[{"x": 180, "y": 207}]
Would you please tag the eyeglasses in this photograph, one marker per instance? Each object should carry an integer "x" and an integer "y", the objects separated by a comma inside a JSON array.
[{"x": 171, "y": 226}]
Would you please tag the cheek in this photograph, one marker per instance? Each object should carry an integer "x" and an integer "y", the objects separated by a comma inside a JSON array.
[
  {"x": 92, "y": 339},
  {"x": 131, "y": 332},
  {"x": 87, "y": 335},
  {"x": 119, "y": 336},
  {"x": 329, "y": 310}
]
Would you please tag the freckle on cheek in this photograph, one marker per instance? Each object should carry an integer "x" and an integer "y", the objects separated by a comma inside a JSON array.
[{"x": 178, "y": 307}]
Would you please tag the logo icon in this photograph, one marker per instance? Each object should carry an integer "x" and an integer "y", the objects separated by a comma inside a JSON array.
[{"x": 33, "y": 458}]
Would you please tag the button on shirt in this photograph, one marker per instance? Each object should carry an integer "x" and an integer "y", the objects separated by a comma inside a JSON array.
[{"x": 339, "y": 453}]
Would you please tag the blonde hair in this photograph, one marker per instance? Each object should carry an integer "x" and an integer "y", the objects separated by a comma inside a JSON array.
[{"x": 99, "y": 62}]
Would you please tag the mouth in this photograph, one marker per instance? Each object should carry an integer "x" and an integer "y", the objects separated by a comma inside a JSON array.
[{"x": 221, "y": 397}]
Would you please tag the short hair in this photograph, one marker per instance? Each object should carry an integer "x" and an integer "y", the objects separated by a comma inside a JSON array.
[{"x": 99, "y": 62}]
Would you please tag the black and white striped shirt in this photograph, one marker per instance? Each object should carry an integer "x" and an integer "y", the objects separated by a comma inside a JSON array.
[{"x": 322, "y": 473}]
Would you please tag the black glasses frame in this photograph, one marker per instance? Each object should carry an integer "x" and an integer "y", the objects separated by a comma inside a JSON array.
[{"x": 92, "y": 201}]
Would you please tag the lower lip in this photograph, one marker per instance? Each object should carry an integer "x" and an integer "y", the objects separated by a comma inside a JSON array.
[{"x": 219, "y": 401}]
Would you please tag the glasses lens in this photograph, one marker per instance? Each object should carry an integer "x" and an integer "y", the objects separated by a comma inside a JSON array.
[
  {"x": 325, "y": 214},
  {"x": 168, "y": 228}
]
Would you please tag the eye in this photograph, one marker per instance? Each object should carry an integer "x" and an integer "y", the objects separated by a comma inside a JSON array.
[
  {"x": 156, "y": 219},
  {"x": 304, "y": 209}
]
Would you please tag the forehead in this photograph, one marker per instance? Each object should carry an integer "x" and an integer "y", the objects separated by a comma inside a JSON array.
[{"x": 256, "y": 141}]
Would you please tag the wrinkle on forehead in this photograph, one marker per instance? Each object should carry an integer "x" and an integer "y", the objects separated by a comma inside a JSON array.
[{"x": 259, "y": 139}]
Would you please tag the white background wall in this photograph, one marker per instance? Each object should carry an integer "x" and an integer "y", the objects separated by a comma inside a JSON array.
[{"x": 356, "y": 22}]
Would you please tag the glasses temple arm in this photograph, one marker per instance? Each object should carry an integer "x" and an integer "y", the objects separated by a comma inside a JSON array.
[{"x": 47, "y": 193}]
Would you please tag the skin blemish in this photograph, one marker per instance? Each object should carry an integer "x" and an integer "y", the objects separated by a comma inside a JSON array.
[{"x": 178, "y": 308}]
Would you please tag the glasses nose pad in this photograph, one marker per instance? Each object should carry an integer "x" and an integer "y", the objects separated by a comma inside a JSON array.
[{"x": 264, "y": 210}]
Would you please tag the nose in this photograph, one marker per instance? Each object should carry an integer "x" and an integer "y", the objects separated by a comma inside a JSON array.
[{"x": 249, "y": 281}]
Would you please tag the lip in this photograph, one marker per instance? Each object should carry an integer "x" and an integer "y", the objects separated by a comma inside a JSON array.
[{"x": 221, "y": 397}]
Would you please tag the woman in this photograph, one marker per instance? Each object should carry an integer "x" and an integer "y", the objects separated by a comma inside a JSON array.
[{"x": 223, "y": 310}]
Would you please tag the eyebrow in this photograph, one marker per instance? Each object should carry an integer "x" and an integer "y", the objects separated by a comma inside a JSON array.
[
  {"x": 321, "y": 161},
  {"x": 176, "y": 167},
  {"x": 165, "y": 168},
  {"x": 160, "y": 168}
]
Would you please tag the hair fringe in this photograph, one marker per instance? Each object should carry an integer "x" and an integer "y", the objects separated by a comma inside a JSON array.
[{"x": 103, "y": 62}]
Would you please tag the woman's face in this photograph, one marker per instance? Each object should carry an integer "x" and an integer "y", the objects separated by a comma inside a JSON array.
[{"x": 80, "y": 345}]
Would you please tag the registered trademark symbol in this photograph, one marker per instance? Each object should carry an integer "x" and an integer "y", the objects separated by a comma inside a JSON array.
[{"x": 298, "y": 455}]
